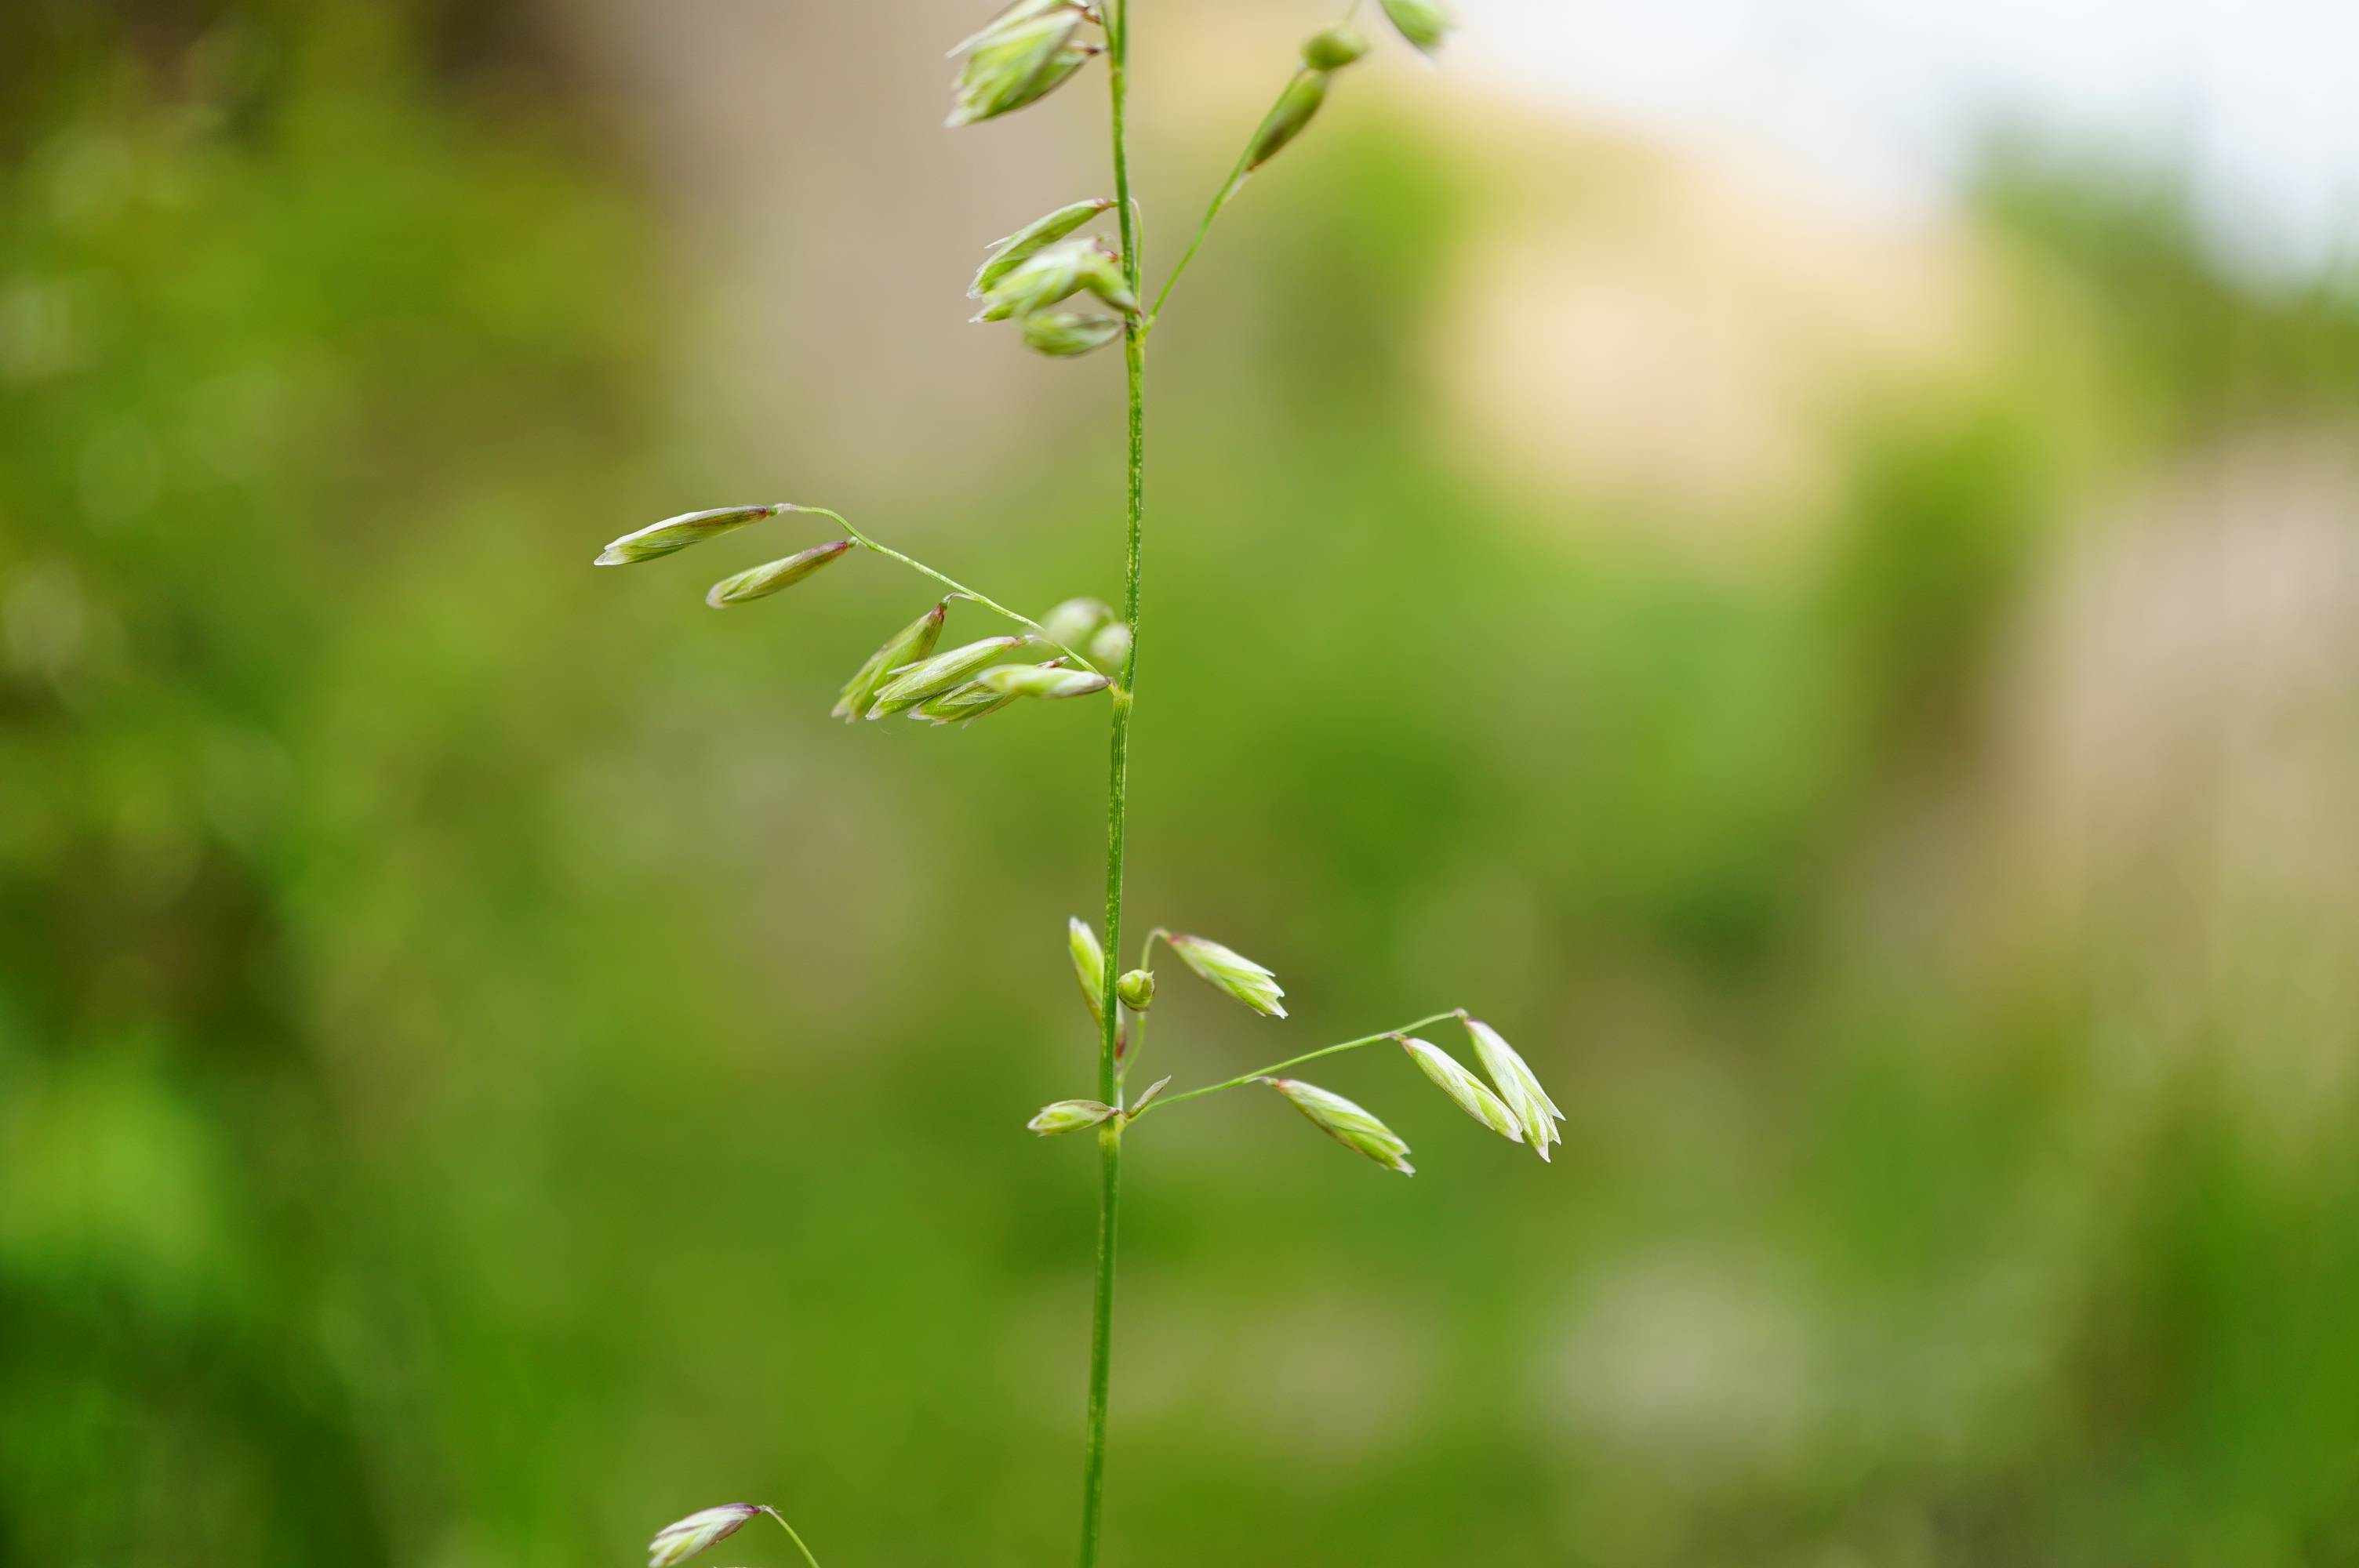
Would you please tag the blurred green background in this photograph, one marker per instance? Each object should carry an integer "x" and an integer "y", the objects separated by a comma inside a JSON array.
[{"x": 485, "y": 1068}]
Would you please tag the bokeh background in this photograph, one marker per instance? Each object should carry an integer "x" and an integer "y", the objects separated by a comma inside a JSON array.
[{"x": 1858, "y": 676}]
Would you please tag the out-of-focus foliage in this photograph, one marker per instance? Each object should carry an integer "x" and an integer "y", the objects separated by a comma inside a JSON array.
[{"x": 485, "y": 1068}]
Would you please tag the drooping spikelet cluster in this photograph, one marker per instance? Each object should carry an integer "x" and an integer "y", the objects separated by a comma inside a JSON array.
[
  {"x": 1021, "y": 56},
  {"x": 905, "y": 675},
  {"x": 1044, "y": 263},
  {"x": 1034, "y": 45},
  {"x": 1512, "y": 1103}
]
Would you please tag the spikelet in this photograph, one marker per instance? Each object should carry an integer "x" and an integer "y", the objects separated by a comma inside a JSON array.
[
  {"x": 907, "y": 646},
  {"x": 683, "y": 1539},
  {"x": 1518, "y": 1087},
  {"x": 1424, "y": 23},
  {"x": 1472, "y": 1096},
  {"x": 768, "y": 579},
  {"x": 678, "y": 532},
  {"x": 1069, "y": 1116},
  {"x": 1232, "y": 972},
  {"x": 1333, "y": 48},
  {"x": 913, "y": 684},
  {"x": 1295, "y": 107},
  {"x": 1347, "y": 1124},
  {"x": 1088, "y": 965},
  {"x": 1006, "y": 253}
]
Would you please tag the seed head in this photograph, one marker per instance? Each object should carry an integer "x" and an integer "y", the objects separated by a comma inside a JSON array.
[
  {"x": 678, "y": 532},
  {"x": 1048, "y": 275},
  {"x": 912, "y": 683},
  {"x": 960, "y": 704},
  {"x": 1232, "y": 972},
  {"x": 1048, "y": 680},
  {"x": 1057, "y": 271},
  {"x": 678, "y": 1542},
  {"x": 907, "y": 646},
  {"x": 1008, "y": 21},
  {"x": 1347, "y": 1124},
  {"x": 1295, "y": 106},
  {"x": 1472, "y": 1096},
  {"x": 1088, "y": 965},
  {"x": 1136, "y": 989},
  {"x": 1017, "y": 63},
  {"x": 1103, "y": 275},
  {"x": 1424, "y": 23},
  {"x": 1028, "y": 240},
  {"x": 1069, "y": 60},
  {"x": 1518, "y": 1088},
  {"x": 1066, "y": 337},
  {"x": 1072, "y": 624},
  {"x": 1333, "y": 48},
  {"x": 1069, "y": 1116},
  {"x": 1143, "y": 1101},
  {"x": 1109, "y": 649},
  {"x": 764, "y": 580}
]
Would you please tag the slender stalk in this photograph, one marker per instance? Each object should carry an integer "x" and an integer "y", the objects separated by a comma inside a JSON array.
[
  {"x": 1228, "y": 187},
  {"x": 1117, "y": 810},
  {"x": 791, "y": 1535},
  {"x": 1259, "y": 1073},
  {"x": 958, "y": 590}
]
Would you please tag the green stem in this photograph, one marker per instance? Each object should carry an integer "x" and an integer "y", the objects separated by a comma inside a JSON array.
[
  {"x": 957, "y": 587},
  {"x": 1117, "y": 27},
  {"x": 791, "y": 1535},
  {"x": 1101, "y": 1340},
  {"x": 1260, "y": 1073}
]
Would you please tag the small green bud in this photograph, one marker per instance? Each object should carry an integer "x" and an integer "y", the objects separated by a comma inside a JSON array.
[
  {"x": 1424, "y": 23},
  {"x": 1111, "y": 648},
  {"x": 907, "y": 646},
  {"x": 1069, "y": 1116},
  {"x": 1136, "y": 989},
  {"x": 1232, "y": 972},
  {"x": 1064, "y": 337},
  {"x": 1295, "y": 106},
  {"x": 764, "y": 580},
  {"x": 678, "y": 1542},
  {"x": 1346, "y": 1123},
  {"x": 1088, "y": 965},
  {"x": 960, "y": 704},
  {"x": 1073, "y": 622},
  {"x": 1518, "y": 1087},
  {"x": 1030, "y": 240},
  {"x": 1143, "y": 1101},
  {"x": 1472, "y": 1096},
  {"x": 1333, "y": 48},
  {"x": 678, "y": 532},
  {"x": 1051, "y": 680},
  {"x": 912, "y": 683}
]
